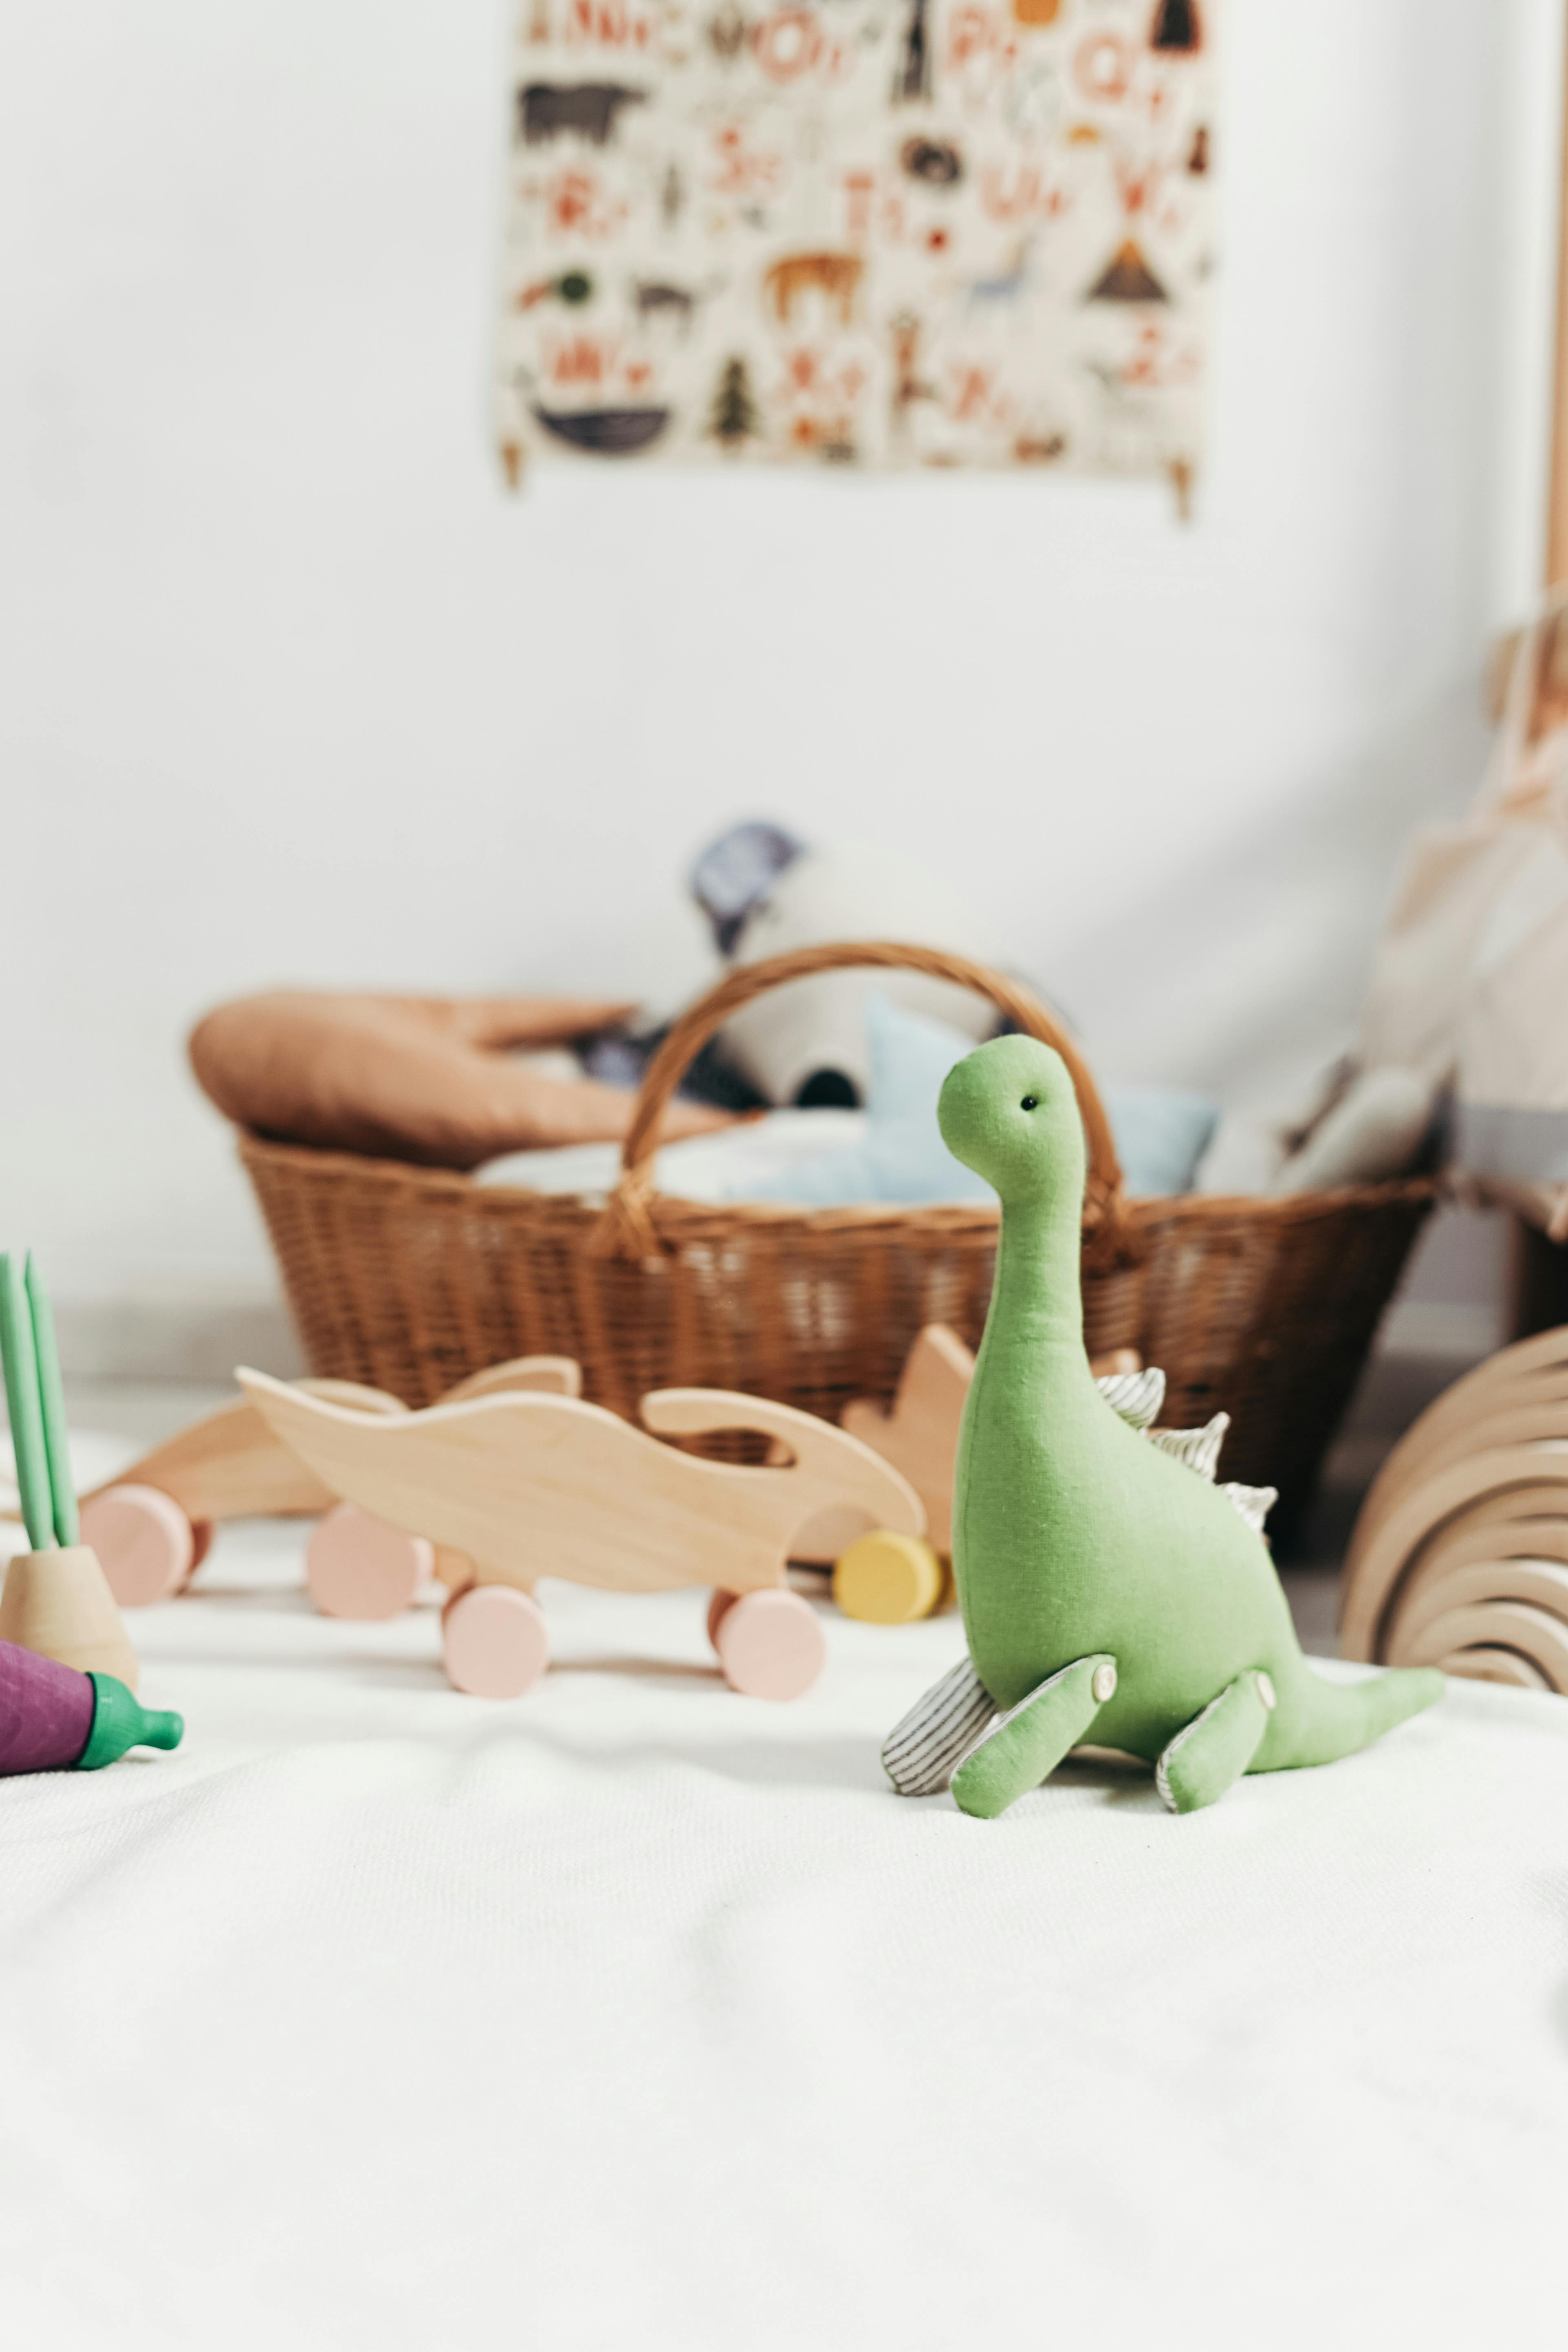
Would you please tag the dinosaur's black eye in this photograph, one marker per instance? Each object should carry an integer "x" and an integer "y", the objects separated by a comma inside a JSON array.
[{"x": 1030, "y": 1102}]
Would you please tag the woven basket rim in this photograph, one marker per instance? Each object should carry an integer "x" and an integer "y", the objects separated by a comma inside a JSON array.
[{"x": 674, "y": 1215}]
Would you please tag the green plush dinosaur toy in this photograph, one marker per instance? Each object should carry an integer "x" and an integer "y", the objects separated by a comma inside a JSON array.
[{"x": 1108, "y": 1594}]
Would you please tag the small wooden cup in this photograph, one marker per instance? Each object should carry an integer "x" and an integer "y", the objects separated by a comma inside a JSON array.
[{"x": 59, "y": 1604}]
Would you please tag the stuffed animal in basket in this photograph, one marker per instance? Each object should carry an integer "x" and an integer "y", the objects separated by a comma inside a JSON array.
[
  {"x": 519, "y": 1485},
  {"x": 1108, "y": 1596}
]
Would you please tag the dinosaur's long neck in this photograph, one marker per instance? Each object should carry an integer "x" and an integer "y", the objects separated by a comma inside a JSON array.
[
  {"x": 1036, "y": 1304},
  {"x": 1031, "y": 1383}
]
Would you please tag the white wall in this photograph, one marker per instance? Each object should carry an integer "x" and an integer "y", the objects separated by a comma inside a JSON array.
[{"x": 291, "y": 690}]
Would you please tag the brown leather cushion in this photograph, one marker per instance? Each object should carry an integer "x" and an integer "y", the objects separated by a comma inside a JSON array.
[{"x": 427, "y": 1080}]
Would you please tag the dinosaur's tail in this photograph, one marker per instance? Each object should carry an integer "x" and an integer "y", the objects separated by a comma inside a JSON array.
[{"x": 1333, "y": 1719}]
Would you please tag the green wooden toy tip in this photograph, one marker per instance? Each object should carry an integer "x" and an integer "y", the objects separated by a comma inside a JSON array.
[
  {"x": 120, "y": 1721},
  {"x": 21, "y": 1363},
  {"x": 52, "y": 1406}
]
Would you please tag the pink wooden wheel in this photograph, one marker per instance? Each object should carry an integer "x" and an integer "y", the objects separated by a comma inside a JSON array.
[
  {"x": 143, "y": 1541},
  {"x": 495, "y": 1641},
  {"x": 361, "y": 1567},
  {"x": 770, "y": 1644}
]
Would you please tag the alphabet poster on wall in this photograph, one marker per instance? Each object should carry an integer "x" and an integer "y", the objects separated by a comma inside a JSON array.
[{"x": 860, "y": 233}]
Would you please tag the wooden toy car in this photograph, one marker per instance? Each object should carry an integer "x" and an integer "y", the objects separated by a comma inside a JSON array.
[
  {"x": 152, "y": 1525},
  {"x": 519, "y": 1486}
]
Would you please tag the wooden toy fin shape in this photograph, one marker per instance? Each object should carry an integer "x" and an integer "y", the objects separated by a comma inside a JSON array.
[
  {"x": 56, "y": 1598},
  {"x": 230, "y": 1464},
  {"x": 919, "y": 1434},
  {"x": 551, "y": 1375},
  {"x": 535, "y": 1485}
]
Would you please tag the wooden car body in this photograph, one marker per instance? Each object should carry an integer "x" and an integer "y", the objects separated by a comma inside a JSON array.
[{"x": 527, "y": 1486}]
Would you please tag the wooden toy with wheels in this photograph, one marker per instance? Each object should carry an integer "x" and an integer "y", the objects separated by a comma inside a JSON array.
[
  {"x": 510, "y": 1487},
  {"x": 920, "y": 1432},
  {"x": 152, "y": 1525}
]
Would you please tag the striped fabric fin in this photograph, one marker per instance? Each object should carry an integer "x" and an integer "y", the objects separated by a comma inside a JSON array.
[
  {"x": 1196, "y": 1449},
  {"x": 921, "y": 1753},
  {"x": 1254, "y": 1503},
  {"x": 1136, "y": 1396}
]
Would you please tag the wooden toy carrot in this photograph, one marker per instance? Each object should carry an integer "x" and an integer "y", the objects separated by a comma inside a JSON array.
[
  {"x": 52, "y": 1406},
  {"x": 56, "y": 1601},
  {"x": 20, "y": 1350}
]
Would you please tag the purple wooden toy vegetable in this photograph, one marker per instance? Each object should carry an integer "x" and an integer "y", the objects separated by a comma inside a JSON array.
[{"x": 53, "y": 1720}]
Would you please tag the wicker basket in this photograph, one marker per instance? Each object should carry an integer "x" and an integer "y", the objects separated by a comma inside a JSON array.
[{"x": 409, "y": 1278}]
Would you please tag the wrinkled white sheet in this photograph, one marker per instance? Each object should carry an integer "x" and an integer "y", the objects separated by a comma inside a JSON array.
[{"x": 637, "y": 2015}]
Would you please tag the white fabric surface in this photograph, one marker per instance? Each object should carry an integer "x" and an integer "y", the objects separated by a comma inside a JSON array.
[{"x": 636, "y": 2014}]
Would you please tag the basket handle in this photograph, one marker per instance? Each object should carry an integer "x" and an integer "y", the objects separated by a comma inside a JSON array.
[{"x": 626, "y": 1230}]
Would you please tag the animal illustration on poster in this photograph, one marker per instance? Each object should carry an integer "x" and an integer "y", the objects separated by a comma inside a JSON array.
[{"x": 866, "y": 232}]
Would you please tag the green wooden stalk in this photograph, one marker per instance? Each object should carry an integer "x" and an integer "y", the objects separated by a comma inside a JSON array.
[
  {"x": 52, "y": 1405},
  {"x": 22, "y": 1398}
]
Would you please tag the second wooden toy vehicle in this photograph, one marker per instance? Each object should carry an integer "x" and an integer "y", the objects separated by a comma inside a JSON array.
[{"x": 511, "y": 1486}]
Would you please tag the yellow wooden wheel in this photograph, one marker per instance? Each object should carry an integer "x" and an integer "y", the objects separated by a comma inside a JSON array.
[{"x": 888, "y": 1579}]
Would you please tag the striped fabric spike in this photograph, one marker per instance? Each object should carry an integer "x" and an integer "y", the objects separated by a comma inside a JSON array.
[
  {"x": 1196, "y": 1449},
  {"x": 921, "y": 1753},
  {"x": 1136, "y": 1396},
  {"x": 1254, "y": 1503}
]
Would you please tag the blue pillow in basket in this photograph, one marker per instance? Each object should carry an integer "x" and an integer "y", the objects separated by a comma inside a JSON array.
[{"x": 1161, "y": 1133}]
